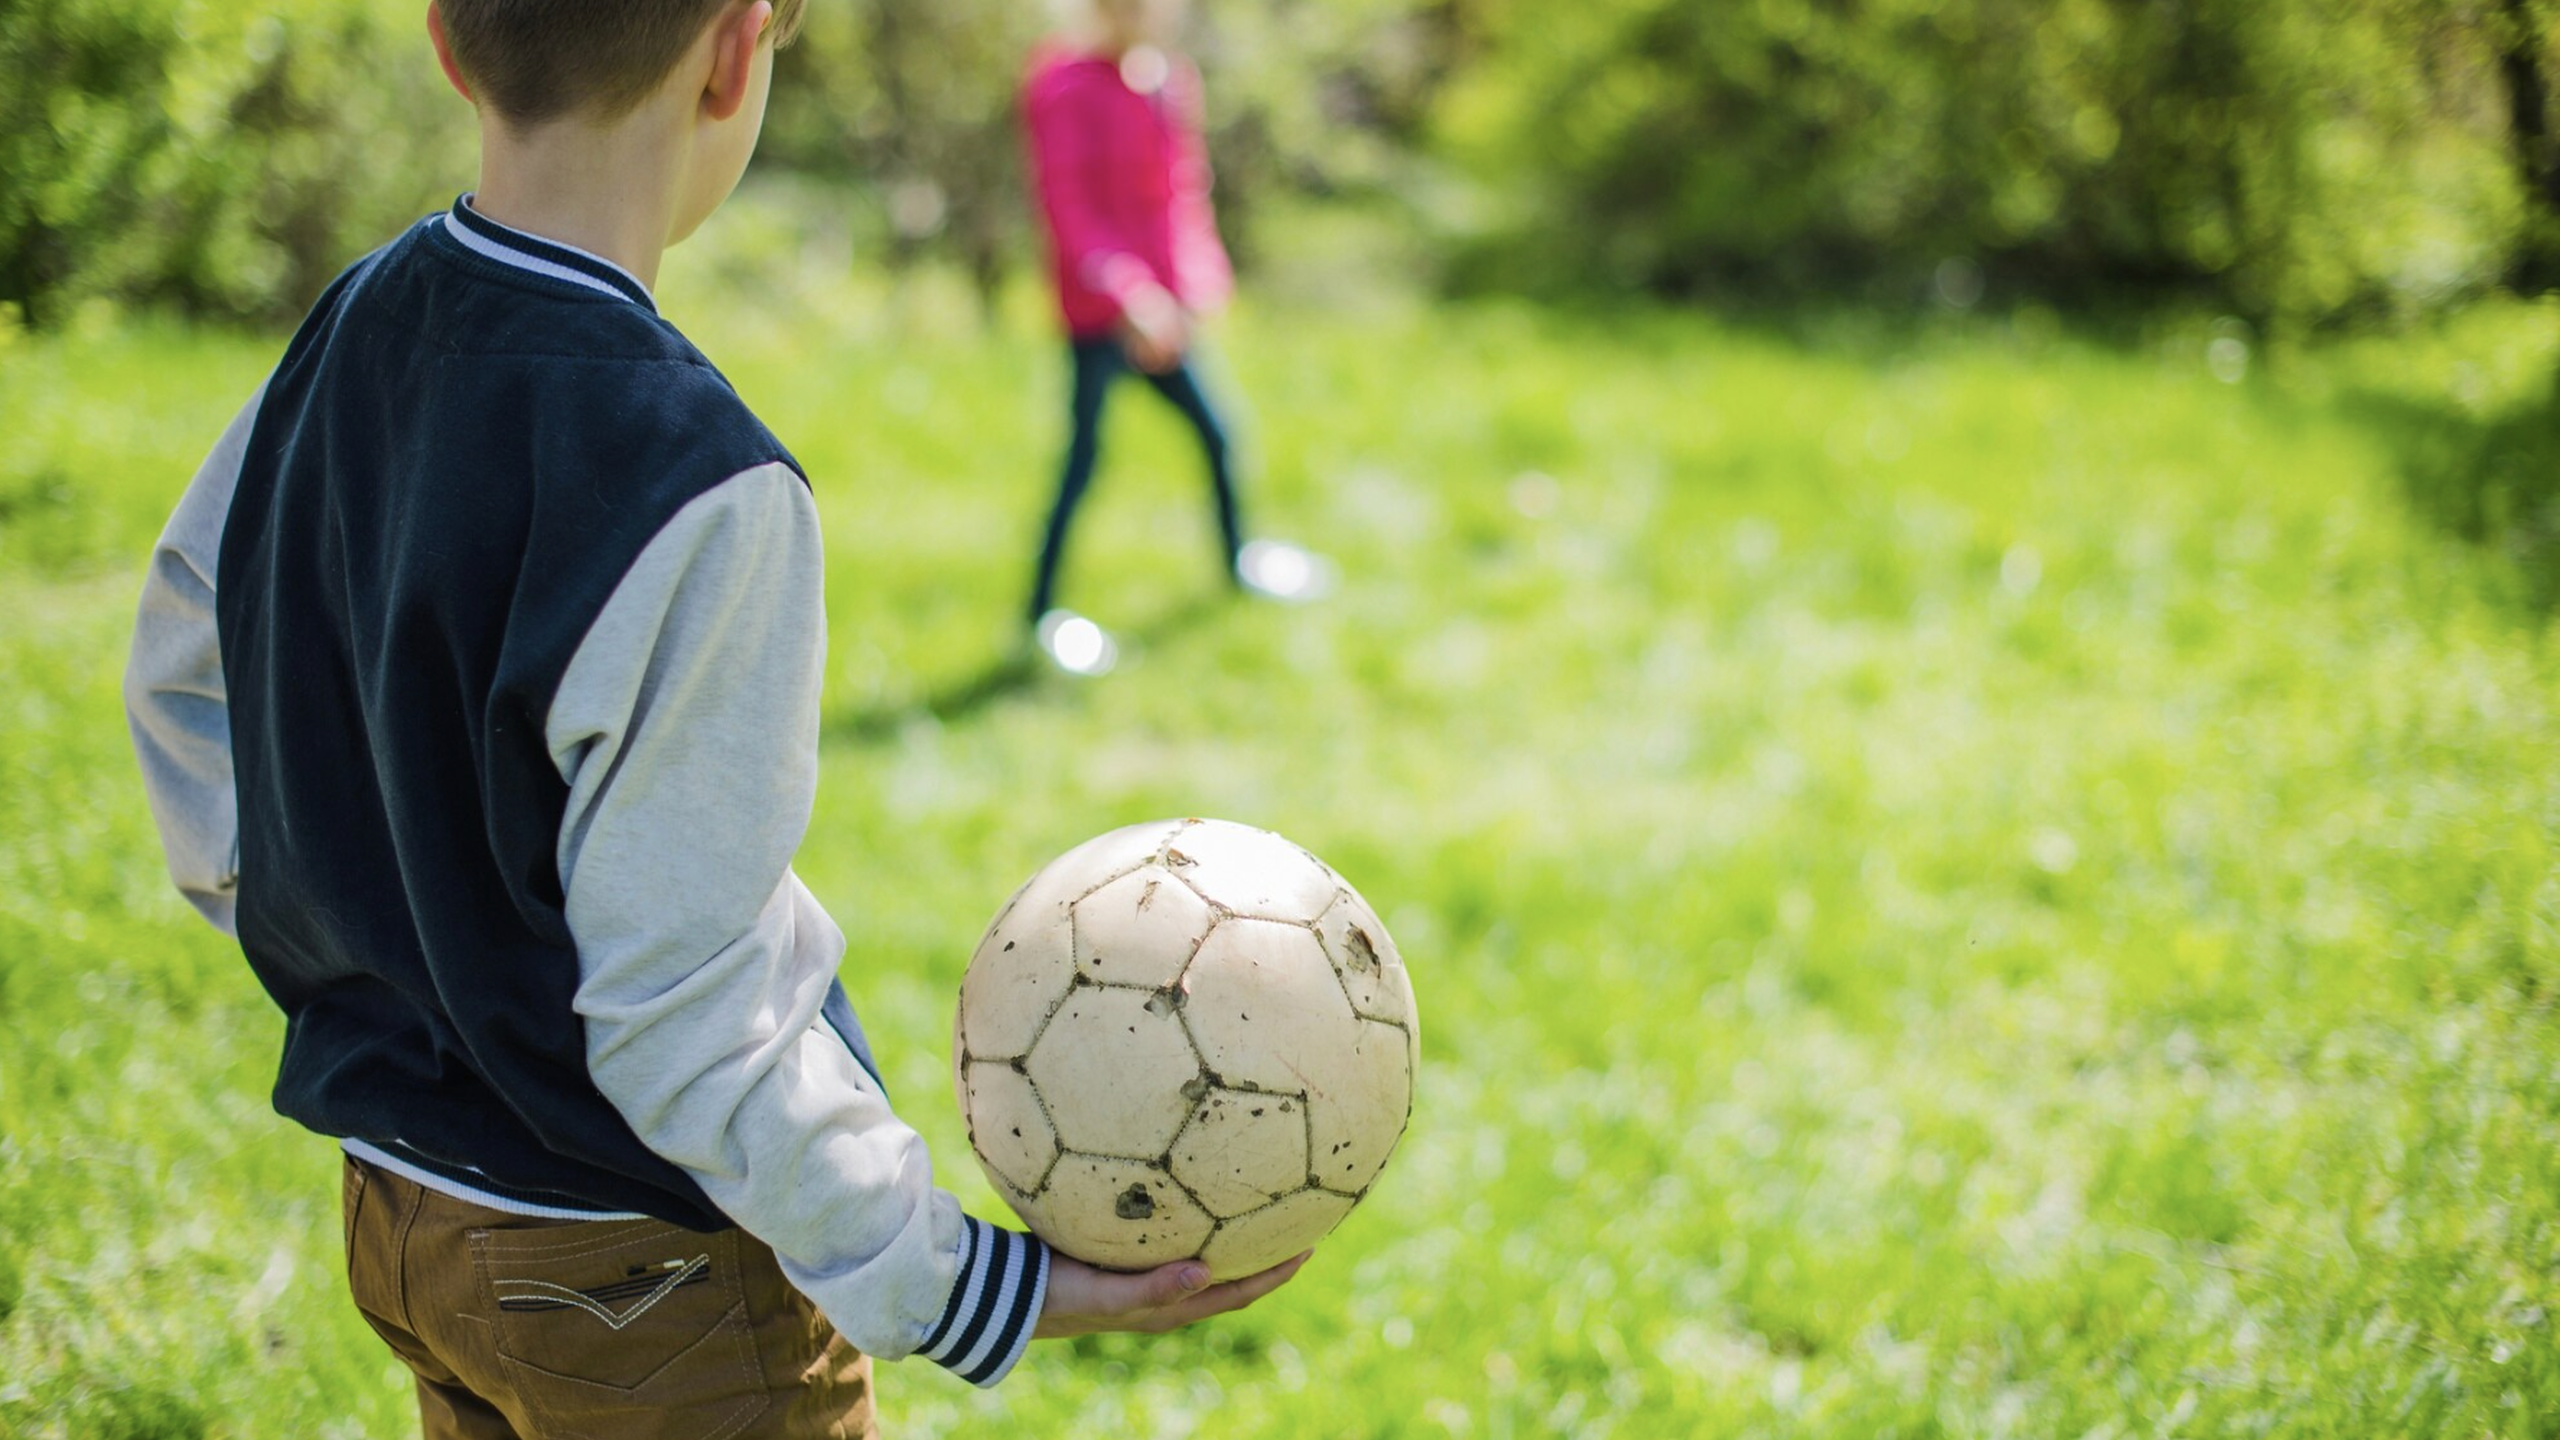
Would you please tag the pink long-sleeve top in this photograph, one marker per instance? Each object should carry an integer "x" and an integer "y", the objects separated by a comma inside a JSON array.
[{"x": 1123, "y": 183}]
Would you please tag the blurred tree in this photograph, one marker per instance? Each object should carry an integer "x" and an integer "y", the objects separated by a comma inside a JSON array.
[
  {"x": 226, "y": 160},
  {"x": 909, "y": 105},
  {"x": 2525, "y": 42},
  {"x": 2299, "y": 160},
  {"x": 2302, "y": 159},
  {"x": 1329, "y": 100}
]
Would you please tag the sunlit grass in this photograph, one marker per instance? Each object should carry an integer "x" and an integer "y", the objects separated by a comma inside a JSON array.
[{"x": 1960, "y": 881}]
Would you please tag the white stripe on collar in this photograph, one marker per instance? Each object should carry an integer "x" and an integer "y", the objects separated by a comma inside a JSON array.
[{"x": 480, "y": 244}]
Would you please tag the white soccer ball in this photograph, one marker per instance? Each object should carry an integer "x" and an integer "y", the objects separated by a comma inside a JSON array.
[{"x": 1186, "y": 1038}]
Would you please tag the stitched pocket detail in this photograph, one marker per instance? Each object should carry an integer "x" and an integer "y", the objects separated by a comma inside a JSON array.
[
  {"x": 622, "y": 1328},
  {"x": 636, "y": 1296}
]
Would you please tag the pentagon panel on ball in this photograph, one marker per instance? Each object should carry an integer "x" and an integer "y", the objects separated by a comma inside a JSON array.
[
  {"x": 1185, "y": 1038},
  {"x": 1110, "y": 1072}
]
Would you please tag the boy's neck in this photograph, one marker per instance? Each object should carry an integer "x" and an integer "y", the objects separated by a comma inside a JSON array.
[{"x": 610, "y": 190}]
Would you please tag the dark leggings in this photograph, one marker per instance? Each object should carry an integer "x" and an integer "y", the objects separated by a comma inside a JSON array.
[{"x": 1097, "y": 364}]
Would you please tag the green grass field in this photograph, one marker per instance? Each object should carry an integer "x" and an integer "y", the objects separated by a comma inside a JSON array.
[{"x": 1962, "y": 881}]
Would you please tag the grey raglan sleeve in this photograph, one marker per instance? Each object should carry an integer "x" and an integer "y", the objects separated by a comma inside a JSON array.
[
  {"x": 687, "y": 730},
  {"x": 174, "y": 702}
]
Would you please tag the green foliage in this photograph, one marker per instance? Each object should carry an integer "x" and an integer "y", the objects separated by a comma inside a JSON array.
[
  {"x": 228, "y": 161},
  {"x": 1322, "y": 99},
  {"x": 2523, "y": 36},
  {"x": 910, "y": 104},
  {"x": 2481, "y": 458},
  {"x": 2302, "y": 158},
  {"x": 1961, "y": 882},
  {"x": 220, "y": 158},
  {"x": 2298, "y": 160}
]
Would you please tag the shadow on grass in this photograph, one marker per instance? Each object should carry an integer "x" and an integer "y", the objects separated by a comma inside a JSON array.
[
  {"x": 1006, "y": 675},
  {"x": 2493, "y": 480}
]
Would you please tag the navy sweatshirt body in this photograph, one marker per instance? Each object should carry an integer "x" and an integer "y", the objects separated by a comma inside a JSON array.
[{"x": 476, "y": 684}]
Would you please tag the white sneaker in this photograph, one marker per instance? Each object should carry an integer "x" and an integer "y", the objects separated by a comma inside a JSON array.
[
  {"x": 1075, "y": 644},
  {"x": 1278, "y": 570}
]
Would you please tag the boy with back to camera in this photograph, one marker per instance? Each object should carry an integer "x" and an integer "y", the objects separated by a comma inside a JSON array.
[{"x": 476, "y": 690}]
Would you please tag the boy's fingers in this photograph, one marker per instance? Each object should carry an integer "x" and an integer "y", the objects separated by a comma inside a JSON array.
[
  {"x": 1165, "y": 1298},
  {"x": 1148, "y": 1290},
  {"x": 1237, "y": 1294},
  {"x": 1170, "y": 1284}
]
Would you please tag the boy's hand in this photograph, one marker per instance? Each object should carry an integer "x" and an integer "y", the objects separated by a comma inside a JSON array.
[
  {"x": 1083, "y": 1300},
  {"x": 1154, "y": 330}
]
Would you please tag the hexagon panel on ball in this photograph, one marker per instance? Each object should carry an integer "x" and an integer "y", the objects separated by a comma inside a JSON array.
[
  {"x": 1265, "y": 1006},
  {"x": 1251, "y": 872},
  {"x": 1139, "y": 929},
  {"x": 1251, "y": 1244},
  {"x": 1364, "y": 955},
  {"x": 1006, "y": 1126},
  {"x": 1117, "y": 852},
  {"x": 1020, "y": 972},
  {"x": 1242, "y": 1150},
  {"x": 1357, "y": 1113},
  {"x": 1121, "y": 1214}
]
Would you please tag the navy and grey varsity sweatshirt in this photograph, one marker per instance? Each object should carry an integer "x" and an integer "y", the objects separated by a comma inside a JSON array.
[{"x": 476, "y": 690}]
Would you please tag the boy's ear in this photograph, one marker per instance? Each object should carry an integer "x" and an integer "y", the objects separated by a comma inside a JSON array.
[
  {"x": 444, "y": 51},
  {"x": 733, "y": 58}
]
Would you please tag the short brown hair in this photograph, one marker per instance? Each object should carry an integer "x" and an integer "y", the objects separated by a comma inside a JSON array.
[{"x": 537, "y": 60}]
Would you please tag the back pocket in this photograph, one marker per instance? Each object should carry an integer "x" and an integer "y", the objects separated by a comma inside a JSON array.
[{"x": 623, "y": 1328}]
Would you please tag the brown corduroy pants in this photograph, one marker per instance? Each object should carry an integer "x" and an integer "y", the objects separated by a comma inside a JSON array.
[{"x": 531, "y": 1329}]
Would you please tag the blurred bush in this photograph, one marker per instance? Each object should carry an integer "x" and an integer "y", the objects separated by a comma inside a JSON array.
[
  {"x": 218, "y": 158},
  {"x": 907, "y": 107},
  {"x": 2300, "y": 160}
]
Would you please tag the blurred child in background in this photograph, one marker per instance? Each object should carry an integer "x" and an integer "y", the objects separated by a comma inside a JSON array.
[{"x": 1123, "y": 183}]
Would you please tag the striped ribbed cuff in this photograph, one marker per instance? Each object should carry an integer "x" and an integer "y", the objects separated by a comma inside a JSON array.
[{"x": 994, "y": 1306}]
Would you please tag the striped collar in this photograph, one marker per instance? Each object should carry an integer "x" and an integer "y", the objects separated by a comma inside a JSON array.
[{"x": 550, "y": 259}]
